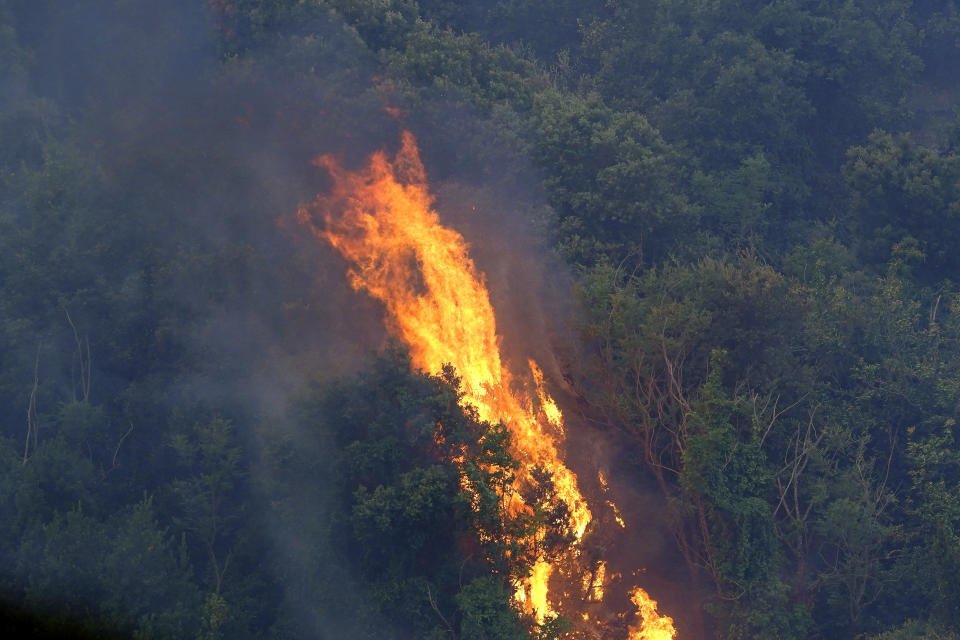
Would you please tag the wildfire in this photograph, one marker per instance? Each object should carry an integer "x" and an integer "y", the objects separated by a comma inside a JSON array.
[
  {"x": 650, "y": 626},
  {"x": 381, "y": 218},
  {"x": 593, "y": 583}
]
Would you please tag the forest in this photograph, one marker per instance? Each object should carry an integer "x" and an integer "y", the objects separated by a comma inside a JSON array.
[{"x": 724, "y": 234}]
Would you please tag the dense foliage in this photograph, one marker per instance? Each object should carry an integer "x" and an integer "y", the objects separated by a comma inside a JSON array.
[{"x": 760, "y": 204}]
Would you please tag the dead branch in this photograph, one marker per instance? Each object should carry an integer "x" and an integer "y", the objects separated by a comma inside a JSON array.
[
  {"x": 116, "y": 452},
  {"x": 32, "y": 409},
  {"x": 84, "y": 364},
  {"x": 433, "y": 605}
]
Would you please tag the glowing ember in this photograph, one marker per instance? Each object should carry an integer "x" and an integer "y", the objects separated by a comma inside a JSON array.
[
  {"x": 617, "y": 516},
  {"x": 381, "y": 219}
]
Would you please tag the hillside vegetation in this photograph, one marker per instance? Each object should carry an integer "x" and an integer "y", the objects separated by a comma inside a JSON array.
[{"x": 759, "y": 204}]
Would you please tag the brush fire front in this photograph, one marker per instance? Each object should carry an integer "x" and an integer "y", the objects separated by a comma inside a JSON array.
[{"x": 381, "y": 219}]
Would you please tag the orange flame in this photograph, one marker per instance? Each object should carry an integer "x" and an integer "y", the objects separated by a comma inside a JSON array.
[
  {"x": 381, "y": 218},
  {"x": 651, "y": 626}
]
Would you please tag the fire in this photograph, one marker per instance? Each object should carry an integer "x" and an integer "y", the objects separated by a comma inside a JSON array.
[
  {"x": 593, "y": 583},
  {"x": 547, "y": 404},
  {"x": 381, "y": 219},
  {"x": 617, "y": 516},
  {"x": 651, "y": 626}
]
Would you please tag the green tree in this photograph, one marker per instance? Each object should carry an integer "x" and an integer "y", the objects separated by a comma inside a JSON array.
[
  {"x": 615, "y": 184},
  {"x": 903, "y": 192},
  {"x": 419, "y": 502}
]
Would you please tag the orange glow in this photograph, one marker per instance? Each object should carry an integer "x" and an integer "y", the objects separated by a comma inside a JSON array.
[
  {"x": 381, "y": 219},
  {"x": 393, "y": 112}
]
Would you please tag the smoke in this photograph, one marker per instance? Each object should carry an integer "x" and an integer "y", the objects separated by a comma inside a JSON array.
[
  {"x": 210, "y": 156},
  {"x": 197, "y": 160}
]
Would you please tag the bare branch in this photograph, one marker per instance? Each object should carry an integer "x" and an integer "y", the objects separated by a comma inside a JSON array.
[
  {"x": 433, "y": 605},
  {"x": 933, "y": 310},
  {"x": 116, "y": 452},
  {"x": 84, "y": 364},
  {"x": 32, "y": 409}
]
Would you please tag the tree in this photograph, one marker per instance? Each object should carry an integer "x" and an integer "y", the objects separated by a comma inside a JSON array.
[
  {"x": 901, "y": 192},
  {"x": 614, "y": 182},
  {"x": 419, "y": 507}
]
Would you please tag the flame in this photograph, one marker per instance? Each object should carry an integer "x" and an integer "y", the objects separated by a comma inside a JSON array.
[
  {"x": 617, "y": 516},
  {"x": 381, "y": 218},
  {"x": 547, "y": 404},
  {"x": 651, "y": 625},
  {"x": 538, "y": 586},
  {"x": 593, "y": 583}
]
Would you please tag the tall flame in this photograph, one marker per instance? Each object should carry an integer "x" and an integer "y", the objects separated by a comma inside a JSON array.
[{"x": 381, "y": 218}]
